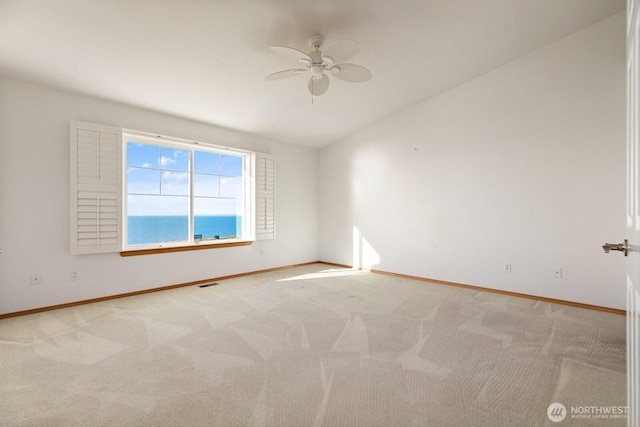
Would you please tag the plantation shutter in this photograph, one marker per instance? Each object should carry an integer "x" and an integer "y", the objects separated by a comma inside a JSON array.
[
  {"x": 265, "y": 197},
  {"x": 96, "y": 152}
]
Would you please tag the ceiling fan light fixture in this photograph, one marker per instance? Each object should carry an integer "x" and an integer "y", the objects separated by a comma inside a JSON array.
[{"x": 318, "y": 85}]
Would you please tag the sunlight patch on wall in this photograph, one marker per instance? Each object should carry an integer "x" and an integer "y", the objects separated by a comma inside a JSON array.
[{"x": 364, "y": 255}]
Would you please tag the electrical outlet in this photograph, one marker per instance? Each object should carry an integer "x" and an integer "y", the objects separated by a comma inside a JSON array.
[
  {"x": 507, "y": 267},
  {"x": 557, "y": 273},
  {"x": 36, "y": 278}
]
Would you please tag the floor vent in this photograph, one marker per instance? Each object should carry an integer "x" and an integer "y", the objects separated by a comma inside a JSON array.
[{"x": 206, "y": 285}]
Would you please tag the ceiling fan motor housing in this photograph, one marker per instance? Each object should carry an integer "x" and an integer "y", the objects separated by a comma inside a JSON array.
[{"x": 316, "y": 63}]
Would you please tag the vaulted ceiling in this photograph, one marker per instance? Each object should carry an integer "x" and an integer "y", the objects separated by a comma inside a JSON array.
[{"x": 207, "y": 60}]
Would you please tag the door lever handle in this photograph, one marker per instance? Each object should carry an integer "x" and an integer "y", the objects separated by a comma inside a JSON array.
[{"x": 622, "y": 247}]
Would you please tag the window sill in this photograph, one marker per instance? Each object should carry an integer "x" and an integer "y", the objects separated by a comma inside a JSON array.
[{"x": 183, "y": 248}]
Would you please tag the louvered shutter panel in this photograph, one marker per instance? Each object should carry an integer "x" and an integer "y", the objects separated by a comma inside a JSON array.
[
  {"x": 265, "y": 197},
  {"x": 96, "y": 153}
]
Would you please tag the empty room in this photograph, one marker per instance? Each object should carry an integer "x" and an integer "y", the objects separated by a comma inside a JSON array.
[{"x": 319, "y": 213}]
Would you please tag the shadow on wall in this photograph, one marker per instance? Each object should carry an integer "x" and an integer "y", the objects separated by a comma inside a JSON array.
[{"x": 364, "y": 255}]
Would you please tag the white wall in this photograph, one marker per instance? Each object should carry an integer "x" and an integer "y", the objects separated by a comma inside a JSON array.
[
  {"x": 34, "y": 204},
  {"x": 524, "y": 165}
]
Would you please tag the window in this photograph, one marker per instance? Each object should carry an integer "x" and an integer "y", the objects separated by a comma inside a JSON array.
[
  {"x": 184, "y": 193},
  {"x": 136, "y": 191}
]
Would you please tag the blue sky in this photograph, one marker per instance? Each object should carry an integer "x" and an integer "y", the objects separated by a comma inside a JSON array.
[{"x": 158, "y": 181}]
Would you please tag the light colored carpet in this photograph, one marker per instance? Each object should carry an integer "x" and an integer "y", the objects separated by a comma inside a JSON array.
[{"x": 311, "y": 346}]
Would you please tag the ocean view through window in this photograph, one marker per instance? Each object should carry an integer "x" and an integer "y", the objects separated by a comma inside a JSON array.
[
  {"x": 157, "y": 229},
  {"x": 181, "y": 193}
]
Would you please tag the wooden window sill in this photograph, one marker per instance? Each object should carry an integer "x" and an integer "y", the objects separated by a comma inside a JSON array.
[{"x": 184, "y": 248}]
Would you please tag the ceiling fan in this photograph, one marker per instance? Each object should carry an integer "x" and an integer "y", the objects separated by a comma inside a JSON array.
[{"x": 331, "y": 59}]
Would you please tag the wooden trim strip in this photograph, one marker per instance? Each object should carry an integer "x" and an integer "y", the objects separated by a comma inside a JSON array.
[
  {"x": 147, "y": 291},
  {"x": 387, "y": 273},
  {"x": 184, "y": 248},
  {"x": 495, "y": 291},
  {"x": 509, "y": 293},
  {"x": 333, "y": 264}
]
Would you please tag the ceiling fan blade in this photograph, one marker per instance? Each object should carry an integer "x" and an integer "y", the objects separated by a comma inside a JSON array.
[
  {"x": 351, "y": 73},
  {"x": 318, "y": 86},
  {"x": 289, "y": 51},
  {"x": 339, "y": 51},
  {"x": 284, "y": 74}
]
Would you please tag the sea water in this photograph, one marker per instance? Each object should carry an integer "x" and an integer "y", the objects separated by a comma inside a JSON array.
[{"x": 156, "y": 229}]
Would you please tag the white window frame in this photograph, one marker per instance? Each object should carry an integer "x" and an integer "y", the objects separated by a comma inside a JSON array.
[
  {"x": 95, "y": 178},
  {"x": 248, "y": 175}
]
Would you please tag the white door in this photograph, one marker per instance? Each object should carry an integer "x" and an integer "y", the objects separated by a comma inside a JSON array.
[{"x": 633, "y": 214}]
